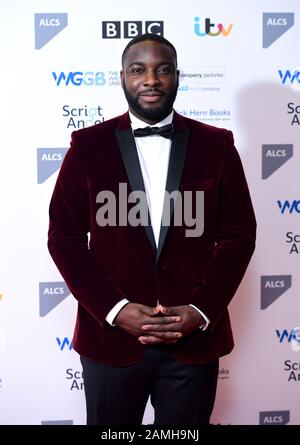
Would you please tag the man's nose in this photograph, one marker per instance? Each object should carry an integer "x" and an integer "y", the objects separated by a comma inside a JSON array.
[{"x": 151, "y": 78}]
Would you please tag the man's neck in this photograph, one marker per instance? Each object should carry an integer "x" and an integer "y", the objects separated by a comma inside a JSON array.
[{"x": 136, "y": 121}]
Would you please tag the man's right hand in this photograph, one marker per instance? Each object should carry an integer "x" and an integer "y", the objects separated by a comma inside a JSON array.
[{"x": 133, "y": 316}]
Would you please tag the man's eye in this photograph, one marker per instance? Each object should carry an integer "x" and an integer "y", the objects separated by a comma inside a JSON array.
[
  {"x": 164, "y": 69},
  {"x": 136, "y": 70}
]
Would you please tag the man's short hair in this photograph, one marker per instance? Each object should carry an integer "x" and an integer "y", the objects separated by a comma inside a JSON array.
[{"x": 153, "y": 38}]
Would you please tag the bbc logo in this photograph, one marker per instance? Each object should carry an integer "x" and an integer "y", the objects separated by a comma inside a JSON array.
[{"x": 113, "y": 30}]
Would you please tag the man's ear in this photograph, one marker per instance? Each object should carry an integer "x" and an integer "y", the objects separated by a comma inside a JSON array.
[
  {"x": 122, "y": 77},
  {"x": 178, "y": 74}
]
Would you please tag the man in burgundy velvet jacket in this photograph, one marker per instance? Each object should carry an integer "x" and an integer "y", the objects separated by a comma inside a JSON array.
[{"x": 152, "y": 298}]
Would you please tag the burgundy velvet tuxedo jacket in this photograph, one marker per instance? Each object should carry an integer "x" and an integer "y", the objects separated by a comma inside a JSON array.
[{"x": 123, "y": 262}]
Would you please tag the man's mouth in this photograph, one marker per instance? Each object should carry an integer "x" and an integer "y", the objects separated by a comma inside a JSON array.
[{"x": 151, "y": 96}]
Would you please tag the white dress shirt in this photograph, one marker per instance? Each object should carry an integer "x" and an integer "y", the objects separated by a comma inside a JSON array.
[{"x": 154, "y": 153}]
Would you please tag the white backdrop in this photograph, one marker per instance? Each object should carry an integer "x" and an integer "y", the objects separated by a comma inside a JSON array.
[{"x": 231, "y": 81}]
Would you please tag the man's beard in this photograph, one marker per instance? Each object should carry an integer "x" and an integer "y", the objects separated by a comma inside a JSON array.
[{"x": 153, "y": 114}]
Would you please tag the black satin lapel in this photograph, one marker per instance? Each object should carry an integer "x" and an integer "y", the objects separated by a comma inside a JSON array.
[
  {"x": 176, "y": 164},
  {"x": 132, "y": 165}
]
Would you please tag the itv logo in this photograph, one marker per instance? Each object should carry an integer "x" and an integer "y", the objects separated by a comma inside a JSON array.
[{"x": 210, "y": 28}]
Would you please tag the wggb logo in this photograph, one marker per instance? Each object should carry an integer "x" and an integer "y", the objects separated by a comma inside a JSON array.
[
  {"x": 64, "y": 344},
  {"x": 274, "y": 417},
  {"x": 289, "y": 206},
  {"x": 208, "y": 28},
  {"x": 275, "y": 25},
  {"x": 79, "y": 78},
  {"x": 272, "y": 287},
  {"x": 49, "y": 161},
  {"x": 274, "y": 156},
  {"x": 47, "y": 26},
  {"x": 292, "y": 336},
  {"x": 289, "y": 76},
  {"x": 129, "y": 30},
  {"x": 51, "y": 294}
]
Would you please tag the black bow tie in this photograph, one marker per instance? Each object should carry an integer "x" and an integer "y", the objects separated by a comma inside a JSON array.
[{"x": 164, "y": 131}]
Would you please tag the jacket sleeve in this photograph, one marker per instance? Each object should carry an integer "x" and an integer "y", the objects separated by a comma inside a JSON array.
[
  {"x": 234, "y": 239},
  {"x": 68, "y": 239}
]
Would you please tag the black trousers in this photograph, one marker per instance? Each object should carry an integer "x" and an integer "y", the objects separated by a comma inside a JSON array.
[{"x": 180, "y": 394}]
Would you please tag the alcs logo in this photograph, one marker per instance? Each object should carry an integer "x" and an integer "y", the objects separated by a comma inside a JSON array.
[
  {"x": 275, "y": 24},
  {"x": 47, "y": 26},
  {"x": 51, "y": 294},
  {"x": 49, "y": 161},
  {"x": 274, "y": 417},
  {"x": 78, "y": 78},
  {"x": 208, "y": 28}
]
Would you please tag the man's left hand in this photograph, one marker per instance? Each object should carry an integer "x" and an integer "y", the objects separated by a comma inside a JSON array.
[{"x": 191, "y": 319}]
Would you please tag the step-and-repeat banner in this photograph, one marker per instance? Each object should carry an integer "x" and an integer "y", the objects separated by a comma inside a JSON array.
[{"x": 60, "y": 63}]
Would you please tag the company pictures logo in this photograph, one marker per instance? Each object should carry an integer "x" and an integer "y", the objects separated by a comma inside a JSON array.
[
  {"x": 51, "y": 294},
  {"x": 274, "y": 156},
  {"x": 275, "y": 25},
  {"x": 49, "y": 161},
  {"x": 47, "y": 26},
  {"x": 130, "y": 29},
  {"x": 274, "y": 417},
  {"x": 210, "y": 29},
  {"x": 272, "y": 287},
  {"x": 201, "y": 79}
]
